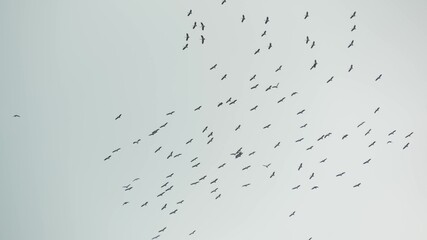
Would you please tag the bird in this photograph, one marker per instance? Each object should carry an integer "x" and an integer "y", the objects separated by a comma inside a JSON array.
[
  {"x": 311, "y": 176},
  {"x": 324, "y": 160},
  {"x": 279, "y": 68},
  {"x": 267, "y": 126},
  {"x": 213, "y": 67},
  {"x": 224, "y": 1},
  {"x": 299, "y": 140},
  {"x": 353, "y": 15},
  {"x": 170, "y": 175},
  {"x": 307, "y": 40},
  {"x": 277, "y": 144},
  {"x": 194, "y": 159},
  {"x": 180, "y": 202},
  {"x": 303, "y": 126},
  {"x": 372, "y": 144},
  {"x": 276, "y": 86},
  {"x": 294, "y": 93},
  {"x": 164, "y": 206},
  {"x": 243, "y": 18},
  {"x": 220, "y": 104},
  {"x": 269, "y": 88},
  {"x": 254, "y": 108},
  {"x": 189, "y": 141},
  {"x": 155, "y": 237},
  {"x": 119, "y": 116},
  {"x": 309, "y": 148},
  {"x": 281, "y": 100},
  {"x": 360, "y": 124},
  {"x": 177, "y": 155},
  {"x": 192, "y": 233},
  {"x": 158, "y": 149},
  {"x": 266, "y": 166},
  {"x": 376, "y": 110},
  {"x": 322, "y": 137},
  {"x": 144, "y": 204},
  {"x": 245, "y": 168},
  {"x": 105, "y": 159},
  {"x": 296, "y": 187},
  {"x": 246, "y": 185},
  {"x": 218, "y": 196},
  {"x": 272, "y": 175},
  {"x": 223, "y": 77},
  {"x": 330, "y": 79},
  {"x": 137, "y": 141},
  {"x": 300, "y": 166},
  {"x": 164, "y": 185},
  {"x": 306, "y": 15},
  {"x": 267, "y": 19},
  {"x": 196, "y": 165},
  {"x": 237, "y": 128},
  {"x": 293, "y": 213},
  {"x": 202, "y": 178},
  {"x": 368, "y": 132},
  {"x": 187, "y": 36},
  {"x": 164, "y": 125},
  {"x": 116, "y": 150},
  {"x": 194, "y": 25},
  {"x": 202, "y": 38},
  {"x": 204, "y": 129},
  {"x": 210, "y": 140},
  {"x": 170, "y": 113},
  {"x": 169, "y": 188},
  {"x": 314, "y": 64},
  {"x": 194, "y": 183},
  {"x": 270, "y": 45},
  {"x": 404, "y": 147},
  {"x": 388, "y": 142},
  {"x": 257, "y": 51},
  {"x": 154, "y": 132},
  {"x": 222, "y": 165},
  {"x": 252, "y": 153},
  {"x": 161, "y": 194},
  {"x": 202, "y": 25},
  {"x": 354, "y": 28},
  {"x": 409, "y": 135},
  {"x": 173, "y": 212},
  {"x": 314, "y": 187},
  {"x": 345, "y": 136},
  {"x": 379, "y": 77},
  {"x": 351, "y": 44},
  {"x": 185, "y": 46},
  {"x": 18, "y": 116},
  {"x": 129, "y": 188},
  {"x": 357, "y": 185},
  {"x": 367, "y": 161},
  {"x": 264, "y": 33},
  {"x": 125, "y": 203},
  {"x": 197, "y": 108},
  {"x": 252, "y": 78},
  {"x": 313, "y": 44},
  {"x": 162, "y": 230},
  {"x": 214, "y": 190},
  {"x": 340, "y": 174},
  {"x": 351, "y": 68},
  {"x": 214, "y": 181},
  {"x": 210, "y": 134},
  {"x": 301, "y": 112},
  {"x": 189, "y": 13}
]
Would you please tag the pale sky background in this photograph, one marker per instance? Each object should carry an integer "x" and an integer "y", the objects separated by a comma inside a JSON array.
[{"x": 70, "y": 67}]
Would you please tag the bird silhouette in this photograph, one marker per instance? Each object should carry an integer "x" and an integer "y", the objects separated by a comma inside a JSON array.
[
  {"x": 330, "y": 79},
  {"x": 155, "y": 237},
  {"x": 187, "y": 36},
  {"x": 257, "y": 51},
  {"x": 189, "y": 141},
  {"x": 210, "y": 134},
  {"x": 214, "y": 181},
  {"x": 197, "y": 108},
  {"x": 369, "y": 131},
  {"x": 300, "y": 166},
  {"x": 379, "y": 77},
  {"x": 224, "y": 1},
  {"x": 164, "y": 125},
  {"x": 351, "y": 68},
  {"x": 353, "y": 15},
  {"x": 372, "y": 144},
  {"x": 252, "y": 78},
  {"x": 125, "y": 203},
  {"x": 203, "y": 39},
  {"x": 340, "y": 174},
  {"x": 306, "y": 15},
  {"x": 322, "y": 137},
  {"x": 299, "y": 140},
  {"x": 376, "y": 110},
  {"x": 345, "y": 136},
  {"x": 296, "y": 187},
  {"x": 294, "y": 93},
  {"x": 194, "y": 183},
  {"x": 154, "y": 132},
  {"x": 194, "y": 159},
  {"x": 266, "y": 126},
  {"x": 267, "y": 19},
  {"x": 192, "y": 233},
  {"x": 18, "y": 116},
  {"x": 367, "y": 161},
  {"x": 203, "y": 178},
  {"x": 164, "y": 206},
  {"x": 161, "y": 194},
  {"x": 105, "y": 159},
  {"x": 243, "y": 18},
  {"x": 189, "y": 13},
  {"x": 185, "y": 46},
  {"x": 254, "y": 108},
  {"x": 218, "y": 196},
  {"x": 162, "y": 230},
  {"x": 266, "y": 166},
  {"x": 196, "y": 165},
  {"x": 311, "y": 176},
  {"x": 170, "y": 175},
  {"x": 272, "y": 175},
  {"x": 270, "y": 45},
  {"x": 252, "y": 153},
  {"x": 158, "y": 149},
  {"x": 264, "y": 33},
  {"x": 194, "y": 25},
  {"x": 269, "y": 88},
  {"x": 210, "y": 140},
  {"x": 277, "y": 144},
  {"x": 203, "y": 26},
  {"x": 324, "y": 160},
  {"x": 116, "y": 150},
  {"x": 164, "y": 185},
  {"x": 214, "y": 190},
  {"x": 144, "y": 204},
  {"x": 222, "y": 165},
  {"x": 173, "y": 212},
  {"x": 313, "y": 44},
  {"x": 204, "y": 129},
  {"x": 279, "y": 68},
  {"x": 245, "y": 168},
  {"x": 409, "y": 135},
  {"x": 237, "y": 128},
  {"x": 220, "y": 104},
  {"x": 357, "y": 185},
  {"x": 213, "y": 67},
  {"x": 307, "y": 40},
  {"x": 314, "y": 187},
  {"x": 119, "y": 116},
  {"x": 223, "y": 77},
  {"x": 354, "y": 28},
  {"x": 137, "y": 141},
  {"x": 281, "y": 100},
  {"x": 406, "y": 145},
  {"x": 351, "y": 44},
  {"x": 177, "y": 155},
  {"x": 309, "y": 148},
  {"x": 129, "y": 188},
  {"x": 292, "y": 214},
  {"x": 303, "y": 126},
  {"x": 301, "y": 112},
  {"x": 246, "y": 185},
  {"x": 314, "y": 64},
  {"x": 360, "y": 124},
  {"x": 170, "y": 113},
  {"x": 180, "y": 202}
]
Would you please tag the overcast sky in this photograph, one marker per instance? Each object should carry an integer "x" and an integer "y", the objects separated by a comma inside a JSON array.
[{"x": 69, "y": 68}]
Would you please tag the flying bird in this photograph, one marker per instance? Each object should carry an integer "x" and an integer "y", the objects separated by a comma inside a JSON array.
[
  {"x": 313, "y": 44},
  {"x": 369, "y": 131},
  {"x": 272, "y": 175},
  {"x": 340, "y": 174},
  {"x": 245, "y": 168},
  {"x": 137, "y": 141},
  {"x": 314, "y": 64},
  {"x": 330, "y": 79},
  {"x": 300, "y": 166},
  {"x": 353, "y": 15},
  {"x": 379, "y": 77},
  {"x": 303, "y": 126},
  {"x": 185, "y": 46},
  {"x": 296, "y": 187},
  {"x": 210, "y": 140},
  {"x": 324, "y": 160},
  {"x": 170, "y": 175},
  {"x": 155, "y": 237},
  {"x": 162, "y": 230},
  {"x": 125, "y": 203},
  {"x": 202, "y": 25},
  {"x": 194, "y": 25},
  {"x": 220, "y": 104},
  {"x": 277, "y": 144},
  {"x": 197, "y": 108},
  {"x": 170, "y": 113},
  {"x": 252, "y": 153},
  {"x": 376, "y": 110},
  {"x": 267, "y": 126},
  {"x": 223, "y": 77},
  {"x": 243, "y": 18},
  {"x": 254, "y": 108},
  {"x": 311, "y": 176},
  {"x": 257, "y": 51},
  {"x": 246, "y": 185},
  {"x": 187, "y": 37},
  {"x": 214, "y": 181},
  {"x": 252, "y": 78},
  {"x": 357, "y": 185},
  {"x": 279, "y": 68},
  {"x": 372, "y": 144},
  {"x": 224, "y": 1},
  {"x": 213, "y": 67},
  {"x": 145, "y": 204},
  {"x": 105, "y": 159},
  {"x": 192, "y": 233},
  {"x": 360, "y": 124},
  {"x": 315, "y": 187},
  {"x": 173, "y": 212},
  {"x": 293, "y": 213},
  {"x": 266, "y": 20},
  {"x": 222, "y": 165},
  {"x": 351, "y": 68},
  {"x": 158, "y": 149},
  {"x": 306, "y": 15},
  {"x": 116, "y": 150},
  {"x": 281, "y": 100},
  {"x": 309, "y": 148},
  {"x": 218, "y": 196},
  {"x": 404, "y": 147},
  {"x": 189, "y": 13},
  {"x": 180, "y": 202},
  {"x": 196, "y": 165},
  {"x": 164, "y": 206},
  {"x": 119, "y": 116},
  {"x": 264, "y": 33},
  {"x": 164, "y": 125},
  {"x": 18, "y": 116},
  {"x": 237, "y": 128},
  {"x": 189, "y": 141},
  {"x": 294, "y": 93},
  {"x": 301, "y": 112},
  {"x": 354, "y": 28},
  {"x": 202, "y": 38},
  {"x": 409, "y": 135},
  {"x": 351, "y": 44},
  {"x": 345, "y": 136},
  {"x": 299, "y": 140},
  {"x": 307, "y": 40},
  {"x": 270, "y": 45},
  {"x": 214, "y": 190}
]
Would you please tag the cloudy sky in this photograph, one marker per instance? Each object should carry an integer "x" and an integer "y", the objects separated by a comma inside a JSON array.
[{"x": 69, "y": 68}]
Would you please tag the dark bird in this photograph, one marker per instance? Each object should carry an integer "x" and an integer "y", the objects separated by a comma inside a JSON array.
[
  {"x": 254, "y": 108},
  {"x": 210, "y": 134},
  {"x": 189, "y": 141},
  {"x": 409, "y": 135},
  {"x": 161, "y": 194},
  {"x": 164, "y": 185},
  {"x": 327, "y": 135},
  {"x": 330, "y": 79},
  {"x": 220, "y": 104},
  {"x": 367, "y": 161},
  {"x": 269, "y": 88},
  {"x": 180, "y": 202},
  {"x": 177, "y": 155},
  {"x": 214, "y": 181},
  {"x": 281, "y": 100},
  {"x": 210, "y": 140},
  {"x": 253, "y": 77},
  {"x": 299, "y": 140},
  {"x": 187, "y": 37},
  {"x": 204, "y": 129},
  {"x": 293, "y": 213},
  {"x": 300, "y": 166},
  {"x": 137, "y": 141},
  {"x": 222, "y": 165},
  {"x": 314, "y": 64},
  {"x": 197, "y": 108},
  {"x": 388, "y": 142},
  {"x": 169, "y": 188},
  {"x": 237, "y": 128},
  {"x": 228, "y": 100},
  {"x": 309, "y": 148},
  {"x": 277, "y": 144},
  {"x": 126, "y": 186},
  {"x": 119, "y": 116},
  {"x": 266, "y": 166},
  {"x": 267, "y": 126},
  {"x": 379, "y": 77},
  {"x": 164, "y": 206},
  {"x": 164, "y": 125},
  {"x": 194, "y": 159},
  {"x": 196, "y": 165},
  {"x": 345, "y": 136},
  {"x": 162, "y": 230},
  {"x": 272, "y": 175},
  {"x": 153, "y": 132},
  {"x": 340, "y": 174},
  {"x": 246, "y": 185},
  {"x": 354, "y": 28},
  {"x": 322, "y": 137},
  {"x": 18, "y": 116},
  {"x": 313, "y": 44},
  {"x": 357, "y": 185},
  {"x": 303, "y": 126},
  {"x": 170, "y": 113},
  {"x": 145, "y": 204},
  {"x": 324, "y": 160},
  {"x": 391, "y": 133},
  {"x": 311, "y": 176},
  {"x": 224, "y": 77},
  {"x": 353, "y": 15},
  {"x": 192, "y": 233},
  {"x": 224, "y": 1},
  {"x": 202, "y": 38},
  {"x": 372, "y": 144},
  {"x": 307, "y": 40},
  {"x": 306, "y": 15},
  {"x": 116, "y": 150},
  {"x": 185, "y": 46},
  {"x": 257, "y": 51},
  {"x": 189, "y": 13},
  {"x": 351, "y": 68},
  {"x": 155, "y": 237},
  {"x": 252, "y": 153},
  {"x": 125, "y": 203},
  {"x": 294, "y": 93},
  {"x": 203, "y": 26},
  {"x": 296, "y": 187},
  {"x": 213, "y": 67},
  {"x": 203, "y": 178},
  {"x": 173, "y": 212},
  {"x": 376, "y": 110},
  {"x": 351, "y": 44},
  {"x": 270, "y": 45},
  {"x": 129, "y": 188},
  {"x": 264, "y": 33},
  {"x": 105, "y": 159},
  {"x": 170, "y": 175},
  {"x": 279, "y": 68},
  {"x": 233, "y": 102},
  {"x": 276, "y": 86},
  {"x": 360, "y": 124},
  {"x": 194, "y": 25},
  {"x": 369, "y": 131},
  {"x": 194, "y": 183},
  {"x": 247, "y": 167},
  {"x": 243, "y": 18},
  {"x": 158, "y": 149},
  {"x": 404, "y": 147},
  {"x": 301, "y": 112},
  {"x": 315, "y": 187},
  {"x": 214, "y": 190},
  {"x": 218, "y": 196},
  {"x": 266, "y": 20}
]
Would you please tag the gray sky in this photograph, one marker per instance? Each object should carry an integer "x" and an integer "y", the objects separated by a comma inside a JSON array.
[{"x": 70, "y": 67}]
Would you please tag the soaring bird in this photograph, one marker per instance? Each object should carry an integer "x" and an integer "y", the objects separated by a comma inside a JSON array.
[
  {"x": 324, "y": 160},
  {"x": 164, "y": 125},
  {"x": 311, "y": 176},
  {"x": 144, "y": 204},
  {"x": 187, "y": 36},
  {"x": 243, "y": 18},
  {"x": 296, "y": 187},
  {"x": 313, "y": 44},
  {"x": 213, "y": 67},
  {"x": 202, "y": 25},
  {"x": 119, "y": 116},
  {"x": 367, "y": 161},
  {"x": 303, "y": 126},
  {"x": 177, "y": 155},
  {"x": 281, "y": 100},
  {"x": 197, "y": 108},
  {"x": 309, "y": 148},
  {"x": 185, "y": 46},
  {"x": 189, "y": 141},
  {"x": 315, "y": 187},
  {"x": 218, "y": 196},
  {"x": 170, "y": 113},
  {"x": 137, "y": 141},
  {"x": 345, "y": 136},
  {"x": 270, "y": 45},
  {"x": 237, "y": 128},
  {"x": 314, "y": 64},
  {"x": 294, "y": 93},
  {"x": 330, "y": 79},
  {"x": 293, "y": 213},
  {"x": 266, "y": 20},
  {"x": 351, "y": 68},
  {"x": 180, "y": 202},
  {"x": 300, "y": 166},
  {"x": 162, "y": 230},
  {"x": 252, "y": 78},
  {"x": 125, "y": 203},
  {"x": 351, "y": 44},
  {"x": 202, "y": 38},
  {"x": 203, "y": 178},
  {"x": 164, "y": 185},
  {"x": 252, "y": 153},
  {"x": 173, "y": 212},
  {"x": 254, "y": 108},
  {"x": 223, "y": 77},
  {"x": 404, "y": 147},
  {"x": 376, "y": 110},
  {"x": 379, "y": 77},
  {"x": 194, "y": 183},
  {"x": 192, "y": 233},
  {"x": 357, "y": 185},
  {"x": 299, "y": 140},
  {"x": 307, "y": 40},
  {"x": 306, "y": 15},
  {"x": 129, "y": 188},
  {"x": 154, "y": 132},
  {"x": 224, "y": 1},
  {"x": 194, "y": 25},
  {"x": 266, "y": 126},
  {"x": 353, "y": 15},
  {"x": 409, "y": 135},
  {"x": 247, "y": 167},
  {"x": 279, "y": 68},
  {"x": 214, "y": 190},
  {"x": 266, "y": 166},
  {"x": 301, "y": 112},
  {"x": 272, "y": 175},
  {"x": 195, "y": 165},
  {"x": 210, "y": 140},
  {"x": 246, "y": 185},
  {"x": 170, "y": 155},
  {"x": 17, "y": 116},
  {"x": 189, "y": 13},
  {"x": 277, "y": 144},
  {"x": 264, "y": 33},
  {"x": 105, "y": 159},
  {"x": 220, "y": 104},
  {"x": 194, "y": 159},
  {"x": 354, "y": 28},
  {"x": 360, "y": 124},
  {"x": 116, "y": 150},
  {"x": 155, "y": 237},
  {"x": 222, "y": 165},
  {"x": 214, "y": 181},
  {"x": 372, "y": 144},
  {"x": 164, "y": 206},
  {"x": 369, "y": 131},
  {"x": 158, "y": 149},
  {"x": 257, "y": 51},
  {"x": 340, "y": 174},
  {"x": 170, "y": 175}
]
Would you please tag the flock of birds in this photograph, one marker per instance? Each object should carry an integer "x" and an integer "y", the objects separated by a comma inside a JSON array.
[{"x": 161, "y": 151}]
